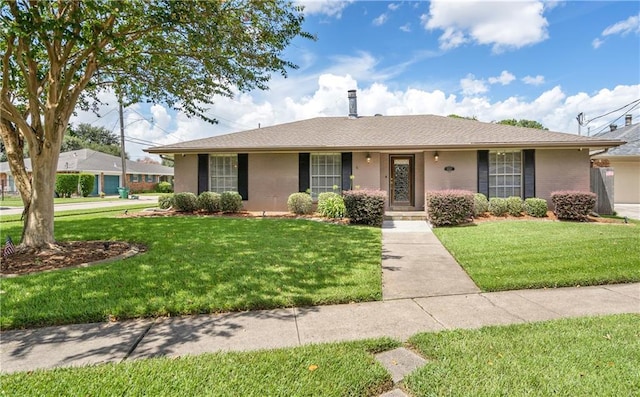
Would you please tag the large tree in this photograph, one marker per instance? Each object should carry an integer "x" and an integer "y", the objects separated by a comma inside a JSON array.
[
  {"x": 87, "y": 136},
  {"x": 523, "y": 123},
  {"x": 57, "y": 55}
]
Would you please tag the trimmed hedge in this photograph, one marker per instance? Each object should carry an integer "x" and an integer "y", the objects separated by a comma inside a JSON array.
[
  {"x": 365, "y": 207},
  {"x": 573, "y": 204},
  {"x": 164, "y": 187},
  {"x": 498, "y": 206},
  {"x": 86, "y": 182},
  {"x": 480, "y": 204},
  {"x": 514, "y": 206},
  {"x": 66, "y": 184},
  {"x": 165, "y": 201},
  {"x": 331, "y": 205},
  {"x": 209, "y": 201},
  {"x": 536, "y": 207},
  {"x": 449, "y": 207},
  {"x": 230, "y": 202},
  {"x": 300, "y": 203},
  {"x": 185, "y": 202}
]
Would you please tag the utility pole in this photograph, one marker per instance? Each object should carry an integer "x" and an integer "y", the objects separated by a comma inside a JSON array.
[{"x": 122, "y": 153}]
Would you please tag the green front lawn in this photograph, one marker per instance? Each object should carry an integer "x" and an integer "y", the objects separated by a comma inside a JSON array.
[
  {"x": 508, "y": 255},
  {"x": 597, "y": 356},
  {"x": 337, "y": 369},
  {"x": 198, "y": 265}
]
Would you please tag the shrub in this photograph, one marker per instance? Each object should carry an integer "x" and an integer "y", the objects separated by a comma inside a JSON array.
[
  {"x": 514, "y": 205},
  {"x": 449, "y": 207},
  {"x": 365, "y": 207},
  {"x": 209, "y": 201},
  {"x": 498, "y": 206},
  {"x": 66, "y": 184},
  {"x": 185, "y": 202},
  {"x": 86, "y": 182},
  {"x": 300, "y": 203},
  {"x": 536, "y": 207},
  {"x": 573, "y": 204},
  {"x": 165, "y": 201},
  {"x": 480, "y": 204},
  {"x": 164, "y": 187},
  {"x": 331, "y": 205},
  {"x": 230, "y": 202}
]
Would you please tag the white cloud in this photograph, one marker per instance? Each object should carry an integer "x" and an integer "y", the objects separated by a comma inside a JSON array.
[
  {"x": 380, "y": 20},
  {"x": 331, "y": 8},
  {"x": 596, "y": 43},
  {"x": 406, "y": 27},
  {"x": 629, "y": 25},
  {"x": 503, "y": 25},
  {"x": 393, "y": 6},
  {"x": 471, "y": 86},
  {"x": 505, "y": 78},
  {"x": 531, "y": 80}
]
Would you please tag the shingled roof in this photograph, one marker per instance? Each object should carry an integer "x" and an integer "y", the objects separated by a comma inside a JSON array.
[
  {"x": 415, "y": 132},
  {"x": 630, "y": 134}
]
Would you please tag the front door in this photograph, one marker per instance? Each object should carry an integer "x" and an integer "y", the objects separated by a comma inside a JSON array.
[{"x": 401, "y": 181}]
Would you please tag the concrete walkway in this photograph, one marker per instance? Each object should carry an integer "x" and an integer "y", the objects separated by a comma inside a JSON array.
[
  {"x": 152, "y": 201},
  {"x": 399, "y": 317}
]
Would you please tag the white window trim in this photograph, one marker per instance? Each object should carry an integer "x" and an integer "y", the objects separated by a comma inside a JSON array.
[
  {"x": 337, "y": 177},
  {"x": 229, "y": 177},
  {"x": 519, "y": 175}
]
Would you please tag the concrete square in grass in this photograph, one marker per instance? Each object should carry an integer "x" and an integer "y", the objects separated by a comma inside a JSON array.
[
  {"x": 176, "y": 336},
  {"x": 70, "y": 345},
  {"x": 400, "y": 362},
  {"x": 466, "y": 311}
]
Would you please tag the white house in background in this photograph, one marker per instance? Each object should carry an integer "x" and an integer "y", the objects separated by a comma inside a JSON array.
[
  {"x": 625, "y": 161},
  {"x": 106, "y": 168}
]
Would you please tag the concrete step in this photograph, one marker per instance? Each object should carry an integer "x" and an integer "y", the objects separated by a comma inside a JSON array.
[{"x": 405, "y": 216}]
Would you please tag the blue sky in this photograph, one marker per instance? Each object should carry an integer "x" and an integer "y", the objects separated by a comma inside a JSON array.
[{"x": 545, "y": 61}]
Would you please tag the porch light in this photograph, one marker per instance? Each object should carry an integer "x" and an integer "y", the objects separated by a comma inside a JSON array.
[
  {"x": 436, "y": 157},
  {"x": 368, "y": 158}
]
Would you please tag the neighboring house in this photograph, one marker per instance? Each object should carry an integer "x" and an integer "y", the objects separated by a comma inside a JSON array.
[
  {"x": 625, "y": 160},
  {"x": 407, "y": 156},
  {"x": 106, "y": 168}
]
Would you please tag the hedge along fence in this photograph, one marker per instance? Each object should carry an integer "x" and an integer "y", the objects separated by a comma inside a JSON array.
[
  {"x": 68, "y": 184},
  {"x": 449, "y": 207},
  {"x": 569, "y": 204},
  {"x": 364, "y": 206}
]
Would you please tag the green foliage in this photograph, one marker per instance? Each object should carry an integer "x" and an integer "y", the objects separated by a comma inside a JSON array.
[
  {"x": 331, "y": 205},
  {"x": 209, "y": 201},
  {"x": 536, "y": 207},
  {"x": 300, "y": 203},
  {"x": 498, "y": 206},
  {"x": 164, "y": 187},
  {"x": 523, "y": 123},
  {"x": 185, "y": 202},
  {"x": 514, "y": 205},
  {"x": 86, "y": 136},
  {"x": 86, "y": 182},
  {"x": 230, "y": 202},
  {"x": 455, "y": 116},
  {"x": 165, "y": 201},
  {"x": 480, "y": 204},
  {"x": 573, "y": 205},
  {"x": 365, "y": 207},
  {"x": 449, "y": 207},
  {"x": 66, "y": 184}
]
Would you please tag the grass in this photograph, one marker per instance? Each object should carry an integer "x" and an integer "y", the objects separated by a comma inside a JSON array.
[
  {"x": 509, "y": 255},
  {"x": 16, "y": 201},
  {"x": 12, "y": 220},
  {"x": 341, "y": 369},
  {"x": 597, "y": 356},
  {"x": 198, "y": 265}
]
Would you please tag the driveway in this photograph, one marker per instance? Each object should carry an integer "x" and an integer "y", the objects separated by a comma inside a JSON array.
[{"x": 629, "y": 210}]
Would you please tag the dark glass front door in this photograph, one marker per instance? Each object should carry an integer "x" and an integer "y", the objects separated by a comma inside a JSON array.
[{"x": 401, "y": 182}]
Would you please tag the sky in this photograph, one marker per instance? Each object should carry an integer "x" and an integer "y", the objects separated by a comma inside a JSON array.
[{"x": 539, "y": 60}]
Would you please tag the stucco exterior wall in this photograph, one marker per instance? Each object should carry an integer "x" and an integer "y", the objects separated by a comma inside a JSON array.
[
  {"x": 566, "y": 169},
  {"x": 626, "y": 181},
  {"x": 366, "y": 175},
  {"x": 186, "y": 173},
  {"x": 463, "y": 177},
  {"x": 272, "y": 178}
]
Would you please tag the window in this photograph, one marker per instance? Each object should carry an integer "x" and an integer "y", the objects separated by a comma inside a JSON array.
[
  {"x": 326, "y": 172},
  {"x": 134, "y": 177},
  {"x": 223, "y": 169},
  {"x": 505, "y": 174}
]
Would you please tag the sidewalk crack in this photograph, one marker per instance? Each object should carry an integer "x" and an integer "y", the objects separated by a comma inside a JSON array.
[
  {"x": 138, "y": 340},
  {"x": 295, "y": 319},
  {"x": 429, "y": 314}
]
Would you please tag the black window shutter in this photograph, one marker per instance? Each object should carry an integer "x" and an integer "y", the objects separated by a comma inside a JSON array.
[
  {"x": 483, "y": 172},
  {"x": 203, "y": 173},
  {"x": 529, "y": 177},
  {"x": 304, "y": 169},
  {"x": 243, "y": 175},
  {"x": 347, "y": 170}
]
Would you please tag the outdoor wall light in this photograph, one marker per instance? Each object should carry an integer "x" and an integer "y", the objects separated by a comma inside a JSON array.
[
  {"x": 368, "y": 158},
  {"x": 436, "y": 157}
]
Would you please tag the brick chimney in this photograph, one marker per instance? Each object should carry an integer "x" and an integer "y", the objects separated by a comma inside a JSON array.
[{"x": 353, "y": 104}]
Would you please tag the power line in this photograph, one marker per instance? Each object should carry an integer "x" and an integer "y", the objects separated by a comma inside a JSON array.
[{"x": 583, "y": 123}]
